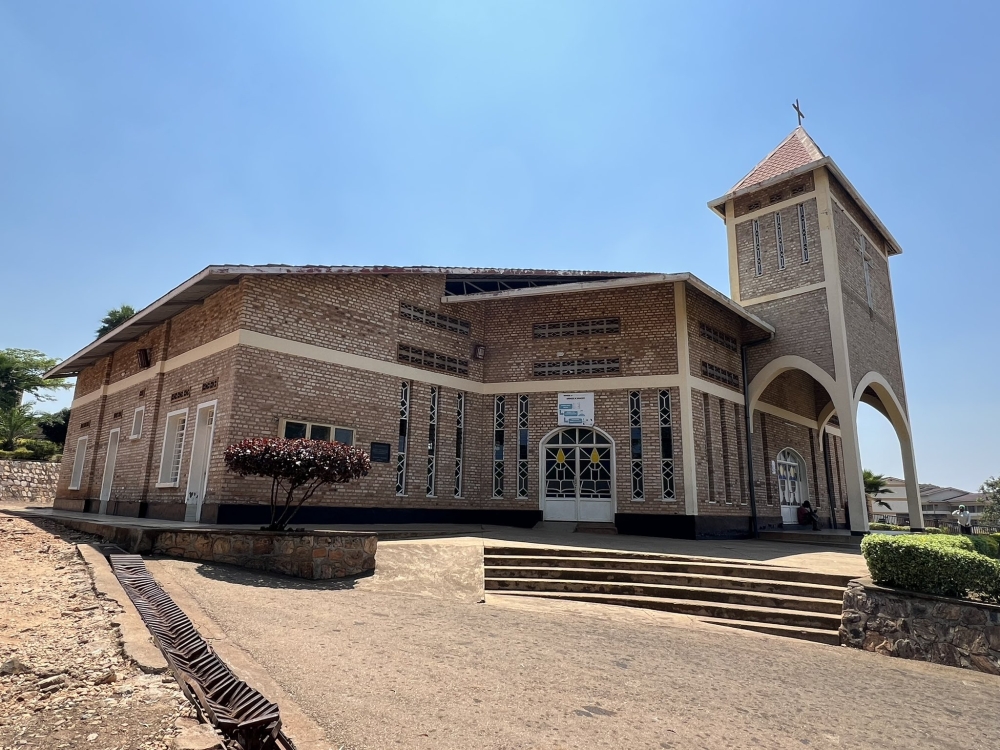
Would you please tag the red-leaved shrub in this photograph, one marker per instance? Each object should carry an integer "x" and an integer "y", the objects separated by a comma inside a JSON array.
[{"x": 295, "y": 466}]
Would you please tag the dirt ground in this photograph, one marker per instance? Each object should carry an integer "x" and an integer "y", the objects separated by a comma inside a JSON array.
[
  {"x": 412, "y": 658},
  {"x": 63, "y": 680}
]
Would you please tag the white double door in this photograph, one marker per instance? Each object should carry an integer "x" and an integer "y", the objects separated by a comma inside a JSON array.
[{"x": 578, "y": 476}]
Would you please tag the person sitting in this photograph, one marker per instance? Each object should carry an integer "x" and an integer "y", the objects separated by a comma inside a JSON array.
[{"x": 808, "y": 515}]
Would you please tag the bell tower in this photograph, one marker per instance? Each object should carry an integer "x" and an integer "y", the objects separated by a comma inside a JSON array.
[{"x": 808, "y": 255}]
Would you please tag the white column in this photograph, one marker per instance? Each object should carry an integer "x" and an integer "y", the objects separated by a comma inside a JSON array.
[
  {"x": 912, "y": 486},
  {"x": 856, "y": 502}
]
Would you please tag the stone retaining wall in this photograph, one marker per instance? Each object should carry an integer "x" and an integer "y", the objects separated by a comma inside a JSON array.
[
  {"x": 28, "y": 481},
  {"x": 954, "y": 632},
  {"x": 315, "y": 555}
]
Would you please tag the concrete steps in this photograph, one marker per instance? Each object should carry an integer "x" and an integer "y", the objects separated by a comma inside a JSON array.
[
  {"x": 746, "y": 595},
  {"x": 824, "y": 538}
]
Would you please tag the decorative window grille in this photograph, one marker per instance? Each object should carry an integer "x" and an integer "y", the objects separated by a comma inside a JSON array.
[
  {"x": 78, "y": 462},
  {"x": 577, "y": 328},
  {"x": 459, "y": 442},
  {"x": 522, "y": 446},
  {"x": 635, "y": 435},
  {"x": 720, "y": 338},
  {"x": 781, "y": 241},
  {"x": 757, "y": 263},
  {"x": 709, "y": 447},
  {"x": 866, "y": 262},
  {"x": 432, "y": 360},
  {"x": 718, "y": 373},
  {"x": 173, "y": 448},
  {"x": 499, "y": 407},
  {"x": 666, "y": 448},
  {"x": 404, "y": 418},
  {"x": 576, "y": 367},
  {"x": 434, "y": 319},
  {"x": 432, "y": 442},
  {"x": 803, "y": 237}
]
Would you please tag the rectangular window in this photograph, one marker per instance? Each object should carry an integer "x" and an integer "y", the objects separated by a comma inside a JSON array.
[
  {"x": 803, "y": 237},
  {"x": 781, "y": 241},
  {"x": 432, "y": 360},
  {"x": 173, "y": 449},
  {"x": 666, "y": 448},
  {"x": 720, "y": 338},
  {"x": 137, "y": 423},
  {"x": 720, "y": 374},
  {"x": 576, "y": 367},
  {"x": 635, "y": 436},
  {"x": 522, "y": 446},
  {"x": 709, "y": 450},
  {"x": 78, "y": 461},
  {"x": 293, "y": 429},
  {"x": 577, "y": 328},
  {"x": 499, "y": 407},
  {"x": 435, "y": 319},
  {"x": 757, "y": 263},
  {"x": 459, "y": 442},
  {"x": 404, "y": 418},
  {"x": 432, "y": 442}
]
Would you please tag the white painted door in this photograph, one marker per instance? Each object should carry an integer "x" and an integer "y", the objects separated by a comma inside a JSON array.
[
  {"x": 107, "y": 484},
  {"x": 201, "y": 448},
  {"x": 577, "y": 476}
]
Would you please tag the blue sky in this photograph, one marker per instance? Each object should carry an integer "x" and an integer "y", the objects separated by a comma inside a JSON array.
[{"x": 140, "y": 142}]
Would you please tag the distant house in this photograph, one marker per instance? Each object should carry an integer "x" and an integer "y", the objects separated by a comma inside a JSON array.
[{"x": 938, "y": 503}]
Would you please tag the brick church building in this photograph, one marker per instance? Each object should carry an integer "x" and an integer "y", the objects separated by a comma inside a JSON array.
[{"x": 511, "y": 396}]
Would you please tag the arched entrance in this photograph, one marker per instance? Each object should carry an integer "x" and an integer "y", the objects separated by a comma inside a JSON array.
[
  {"x": 577, "y": 475},
  {"x": 792, "y": 487}
]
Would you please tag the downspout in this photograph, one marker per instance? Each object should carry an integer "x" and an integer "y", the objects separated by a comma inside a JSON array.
[{"x": 744, "y": 361}]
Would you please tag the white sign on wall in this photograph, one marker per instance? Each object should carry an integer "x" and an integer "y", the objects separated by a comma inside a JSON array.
[{"x": 576, "y": 409}]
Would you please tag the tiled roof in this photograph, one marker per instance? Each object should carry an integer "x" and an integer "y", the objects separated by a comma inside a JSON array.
[{"x": 797, "y": 150}]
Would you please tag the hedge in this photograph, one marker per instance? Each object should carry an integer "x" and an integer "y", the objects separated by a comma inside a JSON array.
[{"x": 937, "y": 565}]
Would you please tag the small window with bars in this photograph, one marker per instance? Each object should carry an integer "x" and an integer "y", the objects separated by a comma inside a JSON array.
[
  {"x": 435, "y": 319},
  {"x": 577, "y": 328},
  {"x": 803, "y": 235},
  {"x": 432, "y": 360},
  {"x": 499, "y": 414},
  {"x": 404, "y": 420},
  {"x": 718, "y": 337},
  {"x": 757, "y": 262},
  {"x": 718, "y": 373},
  {"x": 635, "y": 438},
  {"x": 522, "y": 446},
  {"x": 780, "y": 240},
  {"x": 866, "y": 262},
  {"x": 666, "y": 448},
  {"x": 432, "y": 442},
  {"x": 459, "y": 442},
  {"x": 576, "y": 367}
]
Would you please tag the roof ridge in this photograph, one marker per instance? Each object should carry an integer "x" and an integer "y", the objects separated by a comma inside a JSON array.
[{"x": 777, "y": 163}]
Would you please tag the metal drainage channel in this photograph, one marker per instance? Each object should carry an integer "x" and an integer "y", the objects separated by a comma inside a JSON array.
[{"x": 241, "y": 713}]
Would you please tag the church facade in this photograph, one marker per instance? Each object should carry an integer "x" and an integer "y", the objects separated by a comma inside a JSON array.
[{"x": 512, "y": 396}]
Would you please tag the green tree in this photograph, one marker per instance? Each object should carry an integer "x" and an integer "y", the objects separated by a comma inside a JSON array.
[
  {"x": 16, "y": 423},
  {"x": 55, "y": 425},
  {"x": 115, "y": 318},
  {"x": 875, "y": 485},
  {"x": 22, "y": 371},
  {"x": 990, "y": 490}
]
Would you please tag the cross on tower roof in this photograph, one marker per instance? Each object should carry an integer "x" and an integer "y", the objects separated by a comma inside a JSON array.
[{"x": 798, "y": 112}]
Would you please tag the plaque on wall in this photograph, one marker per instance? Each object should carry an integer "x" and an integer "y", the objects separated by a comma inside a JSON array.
[
  {"x": 576, "y": 409},
  {"x": 381, "y": 452}
]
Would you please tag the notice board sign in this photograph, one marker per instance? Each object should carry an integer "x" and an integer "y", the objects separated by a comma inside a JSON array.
[
  {"x": 380, "y": 453},
  {"x": 576, "y": 409}
]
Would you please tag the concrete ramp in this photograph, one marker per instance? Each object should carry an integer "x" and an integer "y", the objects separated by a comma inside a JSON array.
[{"x": 442, "y": 568}]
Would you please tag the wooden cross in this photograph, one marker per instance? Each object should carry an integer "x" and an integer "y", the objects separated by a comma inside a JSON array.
[{"x": 798, "y": 112}]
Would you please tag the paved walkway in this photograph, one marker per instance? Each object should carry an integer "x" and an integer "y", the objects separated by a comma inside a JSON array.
[{"x": 408, "y": 658}]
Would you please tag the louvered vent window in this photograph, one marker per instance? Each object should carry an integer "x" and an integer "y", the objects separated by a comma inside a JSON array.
[
  {"x": 576, "y": 367},
  {"x": 757, "y": 263},
  {"x": 718, "y": 373},
  {"x": 577, "y": 328},
  {"x": 717, "y": 336},
  {"x": 432, "y": 360},
  {"x": 781, "y": 241},
  {"x": 432, "y": 318},
  {"x": 803, "y": 237}
]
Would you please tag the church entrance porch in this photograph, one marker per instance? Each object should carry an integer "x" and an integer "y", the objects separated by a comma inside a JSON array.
[{"x": 577, "y": 475}]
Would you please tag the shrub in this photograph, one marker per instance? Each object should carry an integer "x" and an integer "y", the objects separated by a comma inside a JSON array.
[
  {"x": 6, "y": 455},
  {"x": 941, "y": 566},
  {"x": 985, "y": 545},
  {"x": 295, "y": 464},
  {"x": 41, "y": 450},
  {"x": 933, "y": 530}
]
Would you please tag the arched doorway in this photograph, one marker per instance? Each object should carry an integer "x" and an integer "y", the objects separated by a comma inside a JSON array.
[
  {"x": 792, "y": 487},
  {"x": 577, "y": 475}
]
